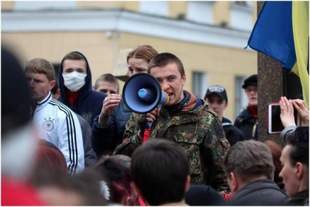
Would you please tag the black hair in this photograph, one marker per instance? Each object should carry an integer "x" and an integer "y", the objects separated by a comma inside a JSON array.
[{"x": 159, "y": 170}]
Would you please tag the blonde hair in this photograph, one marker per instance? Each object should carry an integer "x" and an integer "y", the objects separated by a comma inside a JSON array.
[{"x": 40, "y": 65}]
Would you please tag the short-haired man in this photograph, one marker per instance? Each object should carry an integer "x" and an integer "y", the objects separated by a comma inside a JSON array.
[
  {"x": 246, "y": 121},
  {"x": 107, "y": 83},
  {"x": 160, "y": 172},
  {"x": 249, "y": 168},
  {"x": 295, "y": 171},
  {"x": 217, "y": 100},
  {"x": 184, "y": 119},
  {"x": 76, "y": 87},
  {"x": 55, "y": 122}
]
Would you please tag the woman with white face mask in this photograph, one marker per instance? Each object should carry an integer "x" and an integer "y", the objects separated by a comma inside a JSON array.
[{"x": 76, "y": 87}]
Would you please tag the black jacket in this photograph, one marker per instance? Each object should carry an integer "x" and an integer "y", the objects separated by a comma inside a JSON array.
[
  {"x": 106, "y": 138},
  {"x": 247, "y": 124},
  {"x": 300, "y": 199},
  {"x": 89, "y": 154},
  {"x": 89, "y": 102},
  {"x": 258, "y": 193},
  {"x": 232, "y": 133}
]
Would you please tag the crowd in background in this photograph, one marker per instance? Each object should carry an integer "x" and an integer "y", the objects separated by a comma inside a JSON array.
[{"x": 66, "y": 141}]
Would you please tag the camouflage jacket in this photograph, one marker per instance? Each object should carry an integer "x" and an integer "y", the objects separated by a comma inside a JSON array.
[{"x": 198, "y": 131}]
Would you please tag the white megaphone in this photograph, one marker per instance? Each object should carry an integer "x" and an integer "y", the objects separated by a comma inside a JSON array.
[{"x": 142, "y": 93}]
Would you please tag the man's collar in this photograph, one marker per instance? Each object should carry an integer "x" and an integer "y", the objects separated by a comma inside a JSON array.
[{"x": 45, "y": 99}]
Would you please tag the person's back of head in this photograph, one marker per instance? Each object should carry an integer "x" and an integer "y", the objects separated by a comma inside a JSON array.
[
  {"x": 249, "y": 160},
  {"x": 115, "y": 171},
  {"x": 49, "y": 162},
  {"x": 160, "y": 171},
  {"x": 18, "y": 143}
]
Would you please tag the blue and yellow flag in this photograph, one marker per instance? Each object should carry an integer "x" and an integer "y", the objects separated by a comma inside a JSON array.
[{"x": 282, "y": 32}]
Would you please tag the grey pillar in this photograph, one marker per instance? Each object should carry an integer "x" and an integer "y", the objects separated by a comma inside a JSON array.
[{"x": 270, "y": 89}]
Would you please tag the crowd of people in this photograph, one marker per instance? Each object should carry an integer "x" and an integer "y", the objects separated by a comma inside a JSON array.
[{"x": 66, "y": 141}]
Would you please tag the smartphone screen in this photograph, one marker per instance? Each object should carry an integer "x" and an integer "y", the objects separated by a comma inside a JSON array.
[{"x": 276, "y": 124}]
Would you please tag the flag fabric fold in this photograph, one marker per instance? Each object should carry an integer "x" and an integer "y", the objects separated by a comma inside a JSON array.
[{"x": 282, "y": 32}]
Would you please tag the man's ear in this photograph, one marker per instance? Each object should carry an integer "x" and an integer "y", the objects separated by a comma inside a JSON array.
[
  {"x": 300, "y": 170},
  {"x": 187, "y": 183},
  {"x": 52, "y": 84},
  {"x": 234, "y": 183}
]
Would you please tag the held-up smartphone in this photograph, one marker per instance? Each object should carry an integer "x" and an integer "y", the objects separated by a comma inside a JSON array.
[{"x": 274, "y": 120}]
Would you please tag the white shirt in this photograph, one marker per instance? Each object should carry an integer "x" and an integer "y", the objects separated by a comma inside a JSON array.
[{"x": 59, "y": 125}]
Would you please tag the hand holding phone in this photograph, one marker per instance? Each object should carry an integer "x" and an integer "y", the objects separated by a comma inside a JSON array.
[{"x": 287, "y": 112}]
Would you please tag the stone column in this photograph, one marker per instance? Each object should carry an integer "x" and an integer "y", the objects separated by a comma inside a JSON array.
[{"x": 270, "y": 89}]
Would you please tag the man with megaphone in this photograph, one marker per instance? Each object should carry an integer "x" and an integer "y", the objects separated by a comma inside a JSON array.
[{"x": 183, "y": 118}]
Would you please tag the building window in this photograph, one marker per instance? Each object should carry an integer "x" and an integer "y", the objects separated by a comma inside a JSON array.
[
  {"x": 200, "y": 11},
  {"x": 199, "y": 83},
  {"x": 241, "y": 100},
  {"x": 241, "y": 16},
  {"x": 154, "y": 7},
  {"x": 38, "y": 5}
]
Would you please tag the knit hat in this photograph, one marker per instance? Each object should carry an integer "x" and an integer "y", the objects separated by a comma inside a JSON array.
[{"x": 250, "y": 81}]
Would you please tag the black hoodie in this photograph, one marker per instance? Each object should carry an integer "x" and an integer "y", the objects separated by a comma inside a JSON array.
[{"x": 89, "y": 102}]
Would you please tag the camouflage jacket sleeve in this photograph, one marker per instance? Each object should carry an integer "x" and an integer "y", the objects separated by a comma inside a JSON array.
[
  {"x": 131, "y": 137},
  {"x": 215, "y": 146}
]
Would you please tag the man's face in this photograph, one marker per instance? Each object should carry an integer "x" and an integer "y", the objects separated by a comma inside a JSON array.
[
  {"x": 171, "y": 81},
  {"x": 288, "y": 172},
  {"x": 251, "y": 92},
  {"x": 70, "y": 66},
  {"x": 39, "y": 85},
  {"x": 107, "y": 87},
  {"x": 217, "y": 104},
  {"x": 136, "y": 65}
]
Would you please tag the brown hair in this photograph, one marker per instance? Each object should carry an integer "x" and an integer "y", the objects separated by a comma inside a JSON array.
[
  {"x": 145, "y": 52},
  {"x": 107, "y": 77},
  {"x": 163, "y": 59},
  {"x": 40, "y": 65},
  {"x": 249, "y": 159}
]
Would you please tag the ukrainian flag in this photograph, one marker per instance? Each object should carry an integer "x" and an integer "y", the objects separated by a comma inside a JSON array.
[{"x": 282, "y": 32}]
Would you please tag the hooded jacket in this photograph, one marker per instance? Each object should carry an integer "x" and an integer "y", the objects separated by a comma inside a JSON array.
[{"x": 89, "y": 102}]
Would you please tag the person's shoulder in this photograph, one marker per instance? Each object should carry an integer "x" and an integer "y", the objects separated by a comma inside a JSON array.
[
  {"x": 205, "y": 113},
  {"x": 60, "y": 109}
]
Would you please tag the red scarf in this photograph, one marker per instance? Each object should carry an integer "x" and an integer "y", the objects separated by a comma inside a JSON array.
[
  {"x": 253, "y": 110},
  {"x": 72, "y": 97}
]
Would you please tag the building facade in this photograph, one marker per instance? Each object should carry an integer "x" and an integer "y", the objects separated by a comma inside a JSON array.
[{"x": 209, "y": 37}]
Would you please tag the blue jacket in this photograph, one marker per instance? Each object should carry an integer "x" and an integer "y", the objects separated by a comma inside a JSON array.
[
  {"x": 89, "y": 102},
  {"x": 105, "y": 139}
]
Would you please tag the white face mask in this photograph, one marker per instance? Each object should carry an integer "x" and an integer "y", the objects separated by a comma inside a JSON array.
[{"x": 74, "y": 80}]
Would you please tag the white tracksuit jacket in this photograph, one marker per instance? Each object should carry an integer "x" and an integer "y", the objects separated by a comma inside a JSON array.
[{"x": 59, "y": 125}]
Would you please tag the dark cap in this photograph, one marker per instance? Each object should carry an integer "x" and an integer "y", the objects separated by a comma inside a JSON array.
[
  {"x": 250, "y": 81},
  {"x": 216, "y": 90}
]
